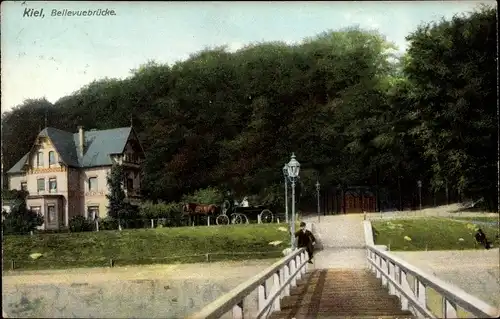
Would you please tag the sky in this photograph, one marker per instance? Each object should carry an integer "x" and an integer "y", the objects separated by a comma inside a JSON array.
[{"x": 53, "y": 56}]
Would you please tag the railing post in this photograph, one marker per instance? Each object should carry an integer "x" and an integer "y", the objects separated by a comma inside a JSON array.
[
  {"x": 286, "y": 276},
  {"x": 293, "y": 283},
  {"x": 378, "y": 261},
  {"x": 238, "y": 311},
  {"x": 392, "y": 274},
  {"x": 370, "y": 257},
  {"x": 420, "y": 292},
  {"x": 276, "y": 285},
  {"x": 403, "y": 282},
  {"x": 449, "y": 309},
  {"x": 282, "y": 280},
  {"x": 262, "y": 295},
  {"x": 304, "y": 260},
  {"x": 298, "y": 262},
  {"x": 385, "y": 268}
]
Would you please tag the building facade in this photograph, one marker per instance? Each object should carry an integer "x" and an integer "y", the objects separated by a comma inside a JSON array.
[{"x": 65, "y": 173}]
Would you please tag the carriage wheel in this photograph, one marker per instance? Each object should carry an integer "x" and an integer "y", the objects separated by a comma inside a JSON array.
[
  {"x": 222, "y": 220},
  {"x": 266, "y": 216},
  {"x": 244, "y": 219},
  {"x": 225, "y": 206},
  {"x": 235, "y": 218},
  {"x": 239, "y": 218}
]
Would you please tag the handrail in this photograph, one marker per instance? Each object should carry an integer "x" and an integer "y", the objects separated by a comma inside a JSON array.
[
  {"x": 284, "y": 272},
  {"x": 394, "y": 271}
]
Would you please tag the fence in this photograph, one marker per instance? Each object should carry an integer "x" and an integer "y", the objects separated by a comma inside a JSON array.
[
  {"x": 409, "y": 284},
  {"x": 283, "y": 274},
  {"x": 142, "y": 223},
  {"x": 12, "y": 264}
]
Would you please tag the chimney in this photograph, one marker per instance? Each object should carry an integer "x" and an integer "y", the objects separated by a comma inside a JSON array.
[{"x": 81, "y": 135}]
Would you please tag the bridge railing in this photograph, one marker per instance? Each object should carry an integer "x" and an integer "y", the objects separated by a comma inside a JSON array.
[
  {"x": 394, "y": 273},
  {"x": 284, "y": 274}
]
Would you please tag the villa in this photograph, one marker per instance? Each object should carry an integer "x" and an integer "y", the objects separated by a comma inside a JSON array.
[{"x": 65, "y": 173}]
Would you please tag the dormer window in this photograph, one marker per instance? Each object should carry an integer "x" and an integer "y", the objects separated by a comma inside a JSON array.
[
  {"x": 52, "y": 158},
  {"x": 39, "y": 159}
]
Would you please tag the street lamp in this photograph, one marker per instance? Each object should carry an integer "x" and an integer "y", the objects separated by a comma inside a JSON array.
[
  {"x": 317, "y": 195},
  {"x": 419, "y": 183},
  {"x": 285, "y": 174},
  {"x": 293, "y": 173}
]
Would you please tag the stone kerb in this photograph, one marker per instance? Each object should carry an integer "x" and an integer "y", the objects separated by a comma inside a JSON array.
[{"x": 367, "y": 226}]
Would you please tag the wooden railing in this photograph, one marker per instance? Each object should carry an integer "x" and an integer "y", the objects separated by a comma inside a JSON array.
[
  {"x": 284, "y": 275},
  {"x": 394, "y": 273}
]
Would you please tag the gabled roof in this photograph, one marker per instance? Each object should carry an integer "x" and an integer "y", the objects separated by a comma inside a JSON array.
[{"x": 99, "y": 145}]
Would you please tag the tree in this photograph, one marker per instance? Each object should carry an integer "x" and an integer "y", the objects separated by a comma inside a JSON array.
[
  {"x": 452, "y": 68},
  {"x": 352, "y": 112},
  {"x": 20, "y": 219},
  {"x": 116, "y": 196}
]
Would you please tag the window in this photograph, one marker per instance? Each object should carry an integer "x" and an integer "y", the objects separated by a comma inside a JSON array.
[
  {"x": 53, "y": 185},
  {"x": 93, "y": 212},
  {"x": 39, "y": 159},
  {"x": 36, "y": 209},
  {"x": 40, "y": 183},
  {"x": 24, "y": 186},
  {"x": 52, "y": 158},
  {"x": 130, "y": 184},
  {"x": 51, "y": 213},
  {"x": 93, "y": 184}
]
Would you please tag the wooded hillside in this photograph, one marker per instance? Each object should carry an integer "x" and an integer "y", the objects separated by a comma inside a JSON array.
[{"x": 352, "y": 113}]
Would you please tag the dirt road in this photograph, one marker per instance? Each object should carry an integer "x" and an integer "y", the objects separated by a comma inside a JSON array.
[{"x": 153, "y": 291}]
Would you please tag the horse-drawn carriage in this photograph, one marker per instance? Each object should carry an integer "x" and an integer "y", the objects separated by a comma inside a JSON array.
[
  {"x": 235, "y": 214},
  {"x": 229, "y": 213}
]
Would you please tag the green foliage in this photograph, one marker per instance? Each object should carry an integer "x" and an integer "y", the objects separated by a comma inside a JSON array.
[
  {"x": 80, "y": 224},
  {"x": 428, "y": 233},
  {"x": 170, "y": 212},
  {"x": 116, "y": 196},
  {"x": 20, "y": 220},
  {"x": 452, "y": 71},
  {"x": 353, "y": 113},
  {"x": 108, "y": 223},
  {"x": 208, "y": 195},
  {"x": 145, "y": 246}
]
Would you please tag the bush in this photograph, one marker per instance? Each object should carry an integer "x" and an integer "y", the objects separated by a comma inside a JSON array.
[
  {"x": 208, "y": 195},
  {"x": 80, "y": 224},
  {"x": 20, "y": 220},
  {"x": 171, "y": 213},
  {"x": 108, "y": 223}
]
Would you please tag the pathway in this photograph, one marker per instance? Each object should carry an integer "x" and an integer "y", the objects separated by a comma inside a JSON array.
[{"x": 342, "y": 240}]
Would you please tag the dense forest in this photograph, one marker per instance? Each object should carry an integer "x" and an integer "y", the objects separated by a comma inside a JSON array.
[{"x": 352, "y": 111}]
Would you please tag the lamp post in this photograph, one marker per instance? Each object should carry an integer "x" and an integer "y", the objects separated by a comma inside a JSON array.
[
  {"x": 285, "y": 174},
  {"x": 419, "y": 183},
  {"x": 293, "y": 173},
  {"x": 317, "y": 195}
]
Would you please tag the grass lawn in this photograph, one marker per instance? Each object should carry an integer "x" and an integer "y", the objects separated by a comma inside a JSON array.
[
  {"x": 478, "y": 218},
  {"x": 429, "y": 234},
  {"x": 145, "y": 246}
]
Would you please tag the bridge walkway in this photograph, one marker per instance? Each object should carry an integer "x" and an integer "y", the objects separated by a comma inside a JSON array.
[
  {"x": 339, "y": 284},
  {"x": 340, "y": 293}
]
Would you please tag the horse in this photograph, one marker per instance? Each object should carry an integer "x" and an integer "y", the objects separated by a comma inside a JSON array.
[{"x": 196, "y": 210}]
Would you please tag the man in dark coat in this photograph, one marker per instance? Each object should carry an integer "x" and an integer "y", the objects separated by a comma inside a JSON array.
[
  {"x": 481, "y": 238},
  {"x": 305, "y": 239}
]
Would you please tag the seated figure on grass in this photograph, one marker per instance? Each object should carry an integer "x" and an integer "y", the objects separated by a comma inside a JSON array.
[{"x": 481, "y": 238}]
